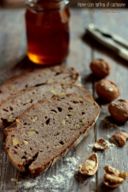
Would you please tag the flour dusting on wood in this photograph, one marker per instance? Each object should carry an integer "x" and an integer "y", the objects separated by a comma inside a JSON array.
[{"x": 49, "y": 182}]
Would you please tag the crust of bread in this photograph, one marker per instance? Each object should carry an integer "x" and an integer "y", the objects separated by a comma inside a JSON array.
[{"x": 8, "y": 88}]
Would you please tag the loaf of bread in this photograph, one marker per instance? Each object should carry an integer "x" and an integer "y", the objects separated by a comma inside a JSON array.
[
  {"x": 36, "y": 78},
  {"x": 18, "y": 103},
  {"x": 48, "y": 129}
]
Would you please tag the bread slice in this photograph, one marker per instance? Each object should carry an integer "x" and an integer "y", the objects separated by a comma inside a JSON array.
[
  {"x": 15, "y": 105},
  {"x": 47, "y": 130},
  {"x": 36, "y": 78}
]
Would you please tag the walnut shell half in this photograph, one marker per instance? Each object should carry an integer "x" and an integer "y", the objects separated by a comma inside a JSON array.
[{"x": 90, "y": 166}]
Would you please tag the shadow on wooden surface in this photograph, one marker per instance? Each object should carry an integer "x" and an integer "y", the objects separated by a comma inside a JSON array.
[
  {"x": 89, "y": 79},
  {"x": 26, "y": 64},
  {"x": 95, "y": 45},
  {"x": 103, "y": 188},
  {"x": 107, "y": 124},
  {"x": 81, "y": 178},
  {"x": 101, "y": 101},
  {"x": 22, "y": 65}
]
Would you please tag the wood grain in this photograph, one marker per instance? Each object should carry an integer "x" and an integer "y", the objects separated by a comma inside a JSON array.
[
  {"x": 82, "y": 51},
  {"x": 80, "y": 57},
  {"x": 119, "y": 74}
]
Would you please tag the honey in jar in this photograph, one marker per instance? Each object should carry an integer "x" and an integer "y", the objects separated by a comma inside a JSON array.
[{"x": 47, "y": 29}]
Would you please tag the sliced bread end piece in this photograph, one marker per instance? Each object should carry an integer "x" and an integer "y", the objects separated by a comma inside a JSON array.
[{"x": 48, "y": 130}]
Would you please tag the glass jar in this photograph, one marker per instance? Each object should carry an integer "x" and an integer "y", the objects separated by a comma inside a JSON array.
[{"x": 47, "y": 29}]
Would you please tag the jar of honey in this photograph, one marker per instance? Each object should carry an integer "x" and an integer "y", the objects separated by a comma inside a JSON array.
[{"x": 47, "y": 29}]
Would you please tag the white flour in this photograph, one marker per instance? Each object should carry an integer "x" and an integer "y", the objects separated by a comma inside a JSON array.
[
  {"x": 57, "y": 182},
  {"x": 109, "y": 144}
]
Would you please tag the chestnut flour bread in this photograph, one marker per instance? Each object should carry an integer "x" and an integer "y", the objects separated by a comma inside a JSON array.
[
  {"x": 18, "y": 103},
  {"x": 36, "y": 78},
  {"x": 47, "y": 130}
]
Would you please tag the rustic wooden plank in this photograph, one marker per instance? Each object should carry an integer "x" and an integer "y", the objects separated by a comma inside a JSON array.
[
  {"x": 11, "y": 39},
  {"x": 12, "y": 36},
  {"x": 80, "y": 56},
  {"x": 119, "y": 74}
]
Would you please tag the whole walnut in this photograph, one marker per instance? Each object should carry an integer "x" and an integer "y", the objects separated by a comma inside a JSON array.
[
  {"x": 119, "y": 110},
  {"x": 100, "y": 68},
  {"x": 107, "y": 90}
]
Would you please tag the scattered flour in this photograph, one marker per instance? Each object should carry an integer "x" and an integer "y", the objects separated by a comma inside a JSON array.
[
  {"x": 49, "y": 182},
  {"x": 108, "y": 136},
  {"x": 109, "y": 144},
  {"x": 28, "y": 184},
  {"x": 90, "y": 145},
  {"x": 93, "y": 179}
]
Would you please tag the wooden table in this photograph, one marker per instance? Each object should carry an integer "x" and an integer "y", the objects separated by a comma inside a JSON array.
[{"x": 83, "y": 50}]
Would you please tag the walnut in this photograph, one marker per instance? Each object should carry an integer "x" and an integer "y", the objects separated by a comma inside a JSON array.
[
  {"x": 107, "y": 90},
  {"x": 100, "y": 68},
  {"x": 63, "y": 122},
  {"x": 25, "y": 142},
  {"x": 31, "y": 132},
  {"x": 34, "y": 119},
  {"x": 10, "y": 119},
  {"x": 112, "y": 181},
  {"x": 90, "y": 166},
  {"x": 113, "y": 177},
  {"x": 15, "y": 141},
  {"x": 119, "y": 138},
  {"x": 53, "y": 91},
  {"x": 101, "y": 145},
  {"x": 50, "y": 81},
  {"x": 111, "y": 170},
  {"x": 18, "y": 121},
  {"x": 119, "y": 110}
]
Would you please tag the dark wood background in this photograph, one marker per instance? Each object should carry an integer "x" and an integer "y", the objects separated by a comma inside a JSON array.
[{"x": 82, "y": 51}]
